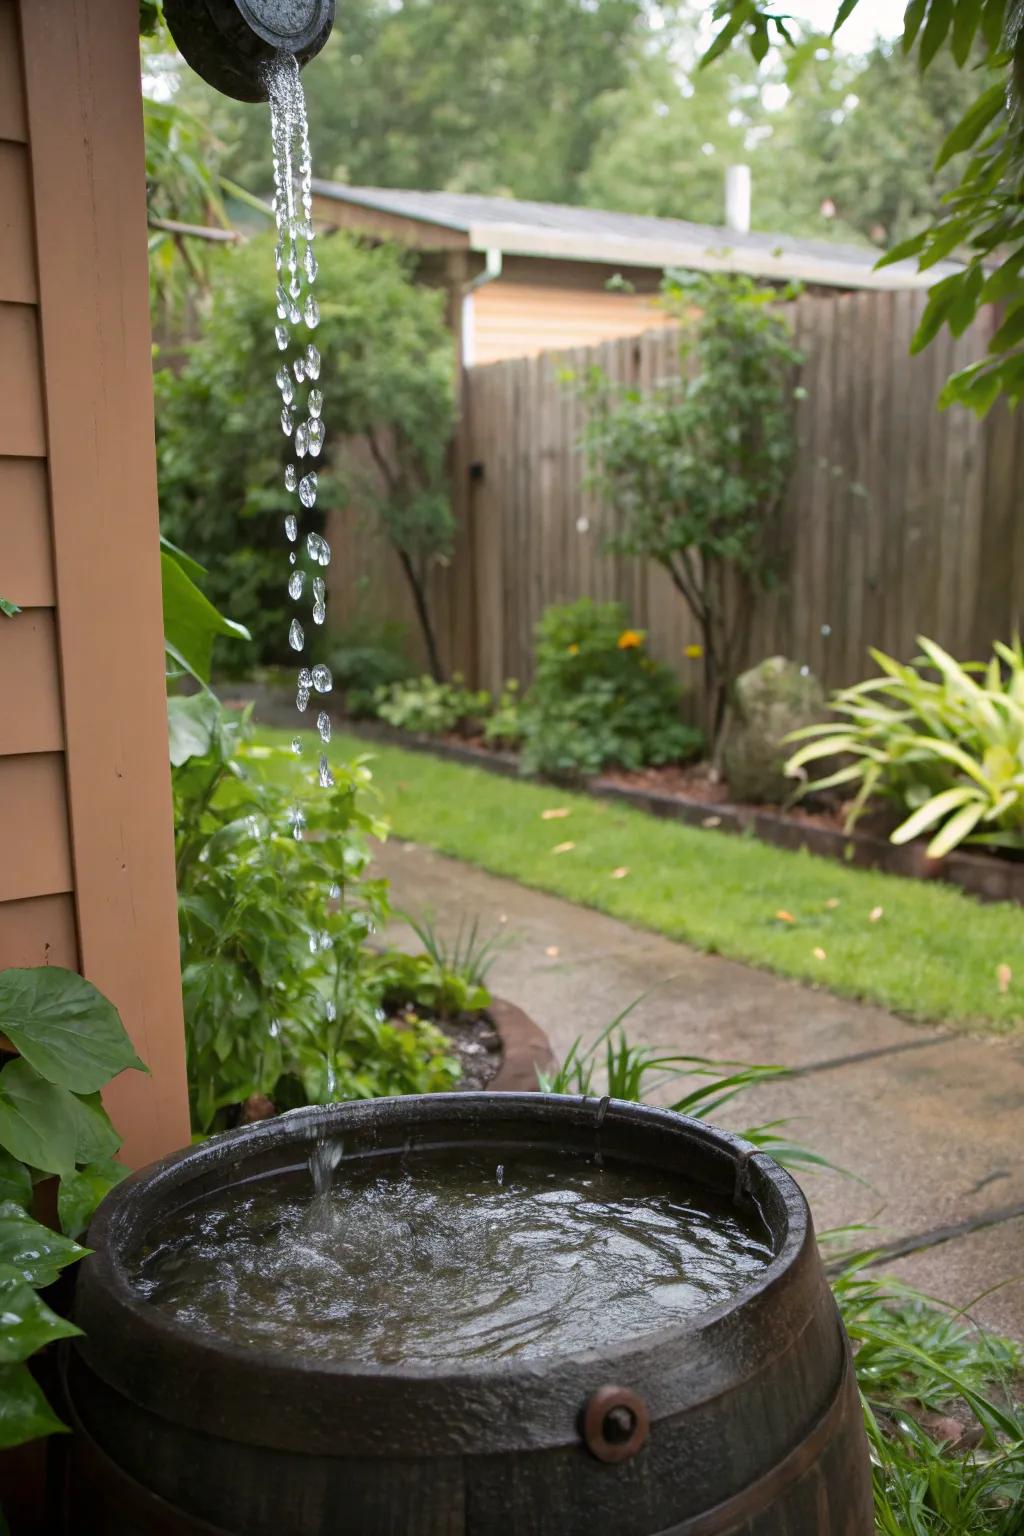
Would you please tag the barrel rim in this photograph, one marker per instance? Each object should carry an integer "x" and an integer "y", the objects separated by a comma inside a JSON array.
[{"x": 688, "y": 1356}]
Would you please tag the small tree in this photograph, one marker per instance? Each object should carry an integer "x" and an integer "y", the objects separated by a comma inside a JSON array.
[
  {"x": 697, "y": 468},
  {"x": 388, "y": 381}
]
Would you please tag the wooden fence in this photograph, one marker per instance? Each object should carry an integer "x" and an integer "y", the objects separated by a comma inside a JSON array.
[{"x": 901, "y": 519}]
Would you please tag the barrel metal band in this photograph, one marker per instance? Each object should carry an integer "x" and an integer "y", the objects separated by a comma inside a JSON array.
[{"x": 757, "y": 1497}]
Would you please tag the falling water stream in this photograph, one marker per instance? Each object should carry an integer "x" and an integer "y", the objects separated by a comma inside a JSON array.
[{"x": 302, "y": 405}]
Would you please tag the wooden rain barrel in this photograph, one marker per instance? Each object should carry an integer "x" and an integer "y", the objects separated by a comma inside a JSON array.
[{"x": 745, "y": 1420}]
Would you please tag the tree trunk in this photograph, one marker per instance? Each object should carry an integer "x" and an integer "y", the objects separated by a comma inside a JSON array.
[{"x": 419, "y": 597}]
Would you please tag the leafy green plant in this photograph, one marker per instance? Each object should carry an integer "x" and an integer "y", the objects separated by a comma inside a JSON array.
[
  {"x": 450, "y": 978},
  {"x": 282, "y": 994},
  {"x": 432, "y": 708},
  {"x": 70, "y": 1043},
  {"x": 504, "y": 725},
  {"x": 221, "y": 453},
  {"x": 598, "y": 698},
  {"x": 983, "y": 214},
  {"x": 947, "y": 747},
  {"x": 615, "y": 1065},
  {"x": 368, "y": 657},
  {"x": 697, "y": 469}
]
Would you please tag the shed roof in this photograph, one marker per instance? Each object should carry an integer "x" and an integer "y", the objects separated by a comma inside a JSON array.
[{"x": 560, "y": 232}]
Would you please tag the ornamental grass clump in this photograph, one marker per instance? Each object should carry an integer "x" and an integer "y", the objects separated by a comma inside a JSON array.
[{"x": 942, "y": 740}]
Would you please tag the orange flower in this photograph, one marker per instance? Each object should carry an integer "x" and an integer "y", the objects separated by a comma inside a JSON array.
[
  {"x": 630, "y": 639},
  {"x": 694, "y": 652}
]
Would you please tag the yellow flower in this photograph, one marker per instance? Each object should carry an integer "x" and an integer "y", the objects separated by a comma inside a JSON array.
[
  {"x": 694, "y": 652},
  {"x": 574, "y": 649},
  {"x": 630, "y": 639}
]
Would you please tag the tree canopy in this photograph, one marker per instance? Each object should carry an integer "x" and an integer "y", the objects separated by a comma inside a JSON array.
[{"x": 983, "y": 214}]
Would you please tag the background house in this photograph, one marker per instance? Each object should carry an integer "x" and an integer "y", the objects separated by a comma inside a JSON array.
[{"x": 527, "y": 277}]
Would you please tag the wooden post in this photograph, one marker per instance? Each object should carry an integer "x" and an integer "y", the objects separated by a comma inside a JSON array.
[{"x": 81, "y": 493}]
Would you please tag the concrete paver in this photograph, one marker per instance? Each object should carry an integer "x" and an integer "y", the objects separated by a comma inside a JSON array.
[{"x": 930, "y": 1122}]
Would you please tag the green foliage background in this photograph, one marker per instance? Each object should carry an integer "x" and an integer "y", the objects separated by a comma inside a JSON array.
[{"x": 221, "y": 452}]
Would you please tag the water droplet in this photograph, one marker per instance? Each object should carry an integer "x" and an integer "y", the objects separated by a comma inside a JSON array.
[
  {"x": 287, "y": 421},
  {"x": 275, "y": 1029},
  {"x": 331, "y": 1011},
  {"x": 302, "y": 699},
  {"x": 283, "y": 380},
  {"x": 316, "y": 402},
  {"x": 582, "y": 524},
  {"x": 315, "y": 434},
  {"x": 281, "y": 336},
  {"x": 319, "y": 589},
  {"x": 319, "y": 613},
  {"x": 326, "y": 941},
  {"x": 310, "y": 264},
  {"x": 305, "y": 678},
  {"x": 291, "y": 477},
  {"x": 297, "y": 745},
  {"x": 805, "y": 670},
  {"x": 826, "y": 630},
  {"x": 283, "y": 305},
  {"x": 318, "y": 548},
  {"x": 335, "y": 892},
  {"x": 297, "y": 818},
  {"x": 307, "y": 489},
  {"x": 312, "y": 361},
  {"x": 294, "y": 314},
  {"x": 299, "y": 370},
  {"x": 291, "y": 527},
  {"x": 279, "y": 255},
  {"x": 296, "y": 638},
  {"x": 311, "y": 313},
  {"x": 301, "y": 439},
  {"x": 295, "y": 286},
  {"x": 326, "y": 776},
  {"x": 313, "y": 944},
  {"x": 323, "y": 682},
  {"x": 296, "y": 582}
]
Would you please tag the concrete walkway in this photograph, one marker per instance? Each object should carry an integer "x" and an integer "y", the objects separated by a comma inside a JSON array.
[{"x": 931, "y": 1122}]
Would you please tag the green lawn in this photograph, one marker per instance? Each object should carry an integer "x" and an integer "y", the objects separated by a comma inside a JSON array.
[{"x": 931, "y": 953}]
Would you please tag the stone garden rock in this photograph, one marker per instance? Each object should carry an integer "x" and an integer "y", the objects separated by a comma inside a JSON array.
[{"x": 771, "y": 700}]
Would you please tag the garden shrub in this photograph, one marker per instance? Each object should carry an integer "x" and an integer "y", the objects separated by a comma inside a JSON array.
[
  {"x": 222, "y": 454},
  {"x": 697, "y": 468},
  {"x": 943, "y": 741},
  {"x": 598, "y": 699},
  {"x": 364, "y": 660},
  {"x": 431, "y": 708},
  {"x": 283, "y": 996}
]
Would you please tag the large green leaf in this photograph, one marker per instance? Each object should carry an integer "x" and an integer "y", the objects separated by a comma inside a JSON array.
[
  {"x": 26, "y": 1322},
  {"x": 81, "y": 1192},
  {"x": 15, "y": 1180},
  {"x": 95, "y": 1137},
  {"x": 36, "y": 1119},
  {"x": 34, "y": 1251},
  {"x": 66, "y": 1028},
  {"x": 192, "y": 724},
  {"x": 24, "y": 1412},
  {"x": 191, "y": 622}
]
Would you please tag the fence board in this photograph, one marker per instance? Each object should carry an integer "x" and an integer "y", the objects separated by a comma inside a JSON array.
[{"x": 899, "y": 520}]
